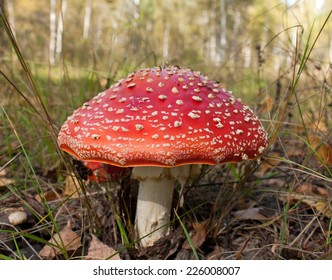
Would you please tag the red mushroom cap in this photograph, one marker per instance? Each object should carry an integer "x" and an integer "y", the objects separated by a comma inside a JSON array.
[{"x": 163, "y": 117}]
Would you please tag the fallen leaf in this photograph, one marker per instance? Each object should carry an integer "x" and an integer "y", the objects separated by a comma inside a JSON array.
[
  {"x": 48, "y": 196},
  {"x": 66, "y": 240},
  {"x": 266, "y": 103},
  {"x": 316, "y": 122},
  {"x": 253, "y": 213},
  {"x": 36, "y": 205},
  {"x": 216, "y": 253},
  {"x": 316, "y": 197},
  {"x": 324, "y": 207},
  {"x": 199, "y": 235},
  {"x": 4, "y": 181},
  {"x": 323, "y": 149},
  {"x": 274, "y": 248},
  {"x": 100, "y": 251},
  {"x": 270, "y": 162},
  {"x": 245, "y": 203},
  {"x": 309, "y": 189},
  {"x": 72, "y": 186},
  {"x": 327, "y": 256},
  {"x": 320, "y": 126}
]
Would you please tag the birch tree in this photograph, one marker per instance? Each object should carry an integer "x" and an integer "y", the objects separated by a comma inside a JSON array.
[
  {"x": 223, "y": 21},
  {"x": 11, "y": 19},
  {"x": 52, "y": 31},
  {"x": 87, "y": 19},
  {"x": 58, "y": 48}
]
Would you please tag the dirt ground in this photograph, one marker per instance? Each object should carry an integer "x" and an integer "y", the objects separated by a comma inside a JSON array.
[{"x": 272, "y": 210}]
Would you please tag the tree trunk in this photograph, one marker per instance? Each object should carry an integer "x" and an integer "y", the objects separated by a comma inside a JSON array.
[
  {"x": 58, "y": 48},
  {"x": 52, "y": 31},
  {"x": 87, "y": 18},
  {"x": 223, "y": 21},
  {"x": 166, "y": 41},
  {"x": 11, "y": 19}
]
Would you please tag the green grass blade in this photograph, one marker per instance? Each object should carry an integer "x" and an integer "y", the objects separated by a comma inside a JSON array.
[{"x": 191, "y": 244}]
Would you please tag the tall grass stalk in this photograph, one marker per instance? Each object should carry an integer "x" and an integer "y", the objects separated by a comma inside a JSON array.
[
  {"x": 297, "y": 75},
  {"x": 186, "y": 233},
  {"x": 10, "y": 35},
  {"x": 33, "y": 178}
]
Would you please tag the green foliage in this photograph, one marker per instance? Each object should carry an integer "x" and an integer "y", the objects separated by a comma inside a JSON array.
[{"x": 191, "y": 244}]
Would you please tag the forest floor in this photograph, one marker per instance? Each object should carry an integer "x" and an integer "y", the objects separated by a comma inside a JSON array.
[{"x": 277, "y": 209}]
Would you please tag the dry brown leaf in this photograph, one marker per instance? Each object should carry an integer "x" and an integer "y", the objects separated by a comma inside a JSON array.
[
  {"x": 4, "y": 181},
  {"x": 266, "y": 104},
  {"x": 72, "y": 186},
  {"x": 244, "y": 203},
  {"x": 323, "y": 150},
  {"x": 327, "y": 256},
  {"x": 200, "y": 233},
  {"x": 295, "y": 149},
  {"x": 316, "y": 197},
  {"x": 249, "y": 214},
  {"x": 100, "y": 251},
  {"x": 69, "y": 241},
  {"x": 320, "y": 126},
  {"x": 48, "y": 196},
  {"x": 198, "y": 237},
  {"x": 324, "y": 207},
  {"x": 269, "y": 163},
  {"x": 216, "y": 253},
  {"x": 274, "y": 248},
  {"x": 315, "y": 123},
  {"x": 309, "y": 189}
]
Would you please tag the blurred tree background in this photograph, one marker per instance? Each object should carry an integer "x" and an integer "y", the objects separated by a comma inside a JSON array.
[
  {"x": 251, "y": 46},
  {"x": 211, "y": 35}
]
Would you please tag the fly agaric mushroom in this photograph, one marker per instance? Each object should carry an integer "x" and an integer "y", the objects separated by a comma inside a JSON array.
[{"x": 160, "y": 121}]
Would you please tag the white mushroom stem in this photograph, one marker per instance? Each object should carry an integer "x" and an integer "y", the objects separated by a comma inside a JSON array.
[{"x": 154, "y": 202}]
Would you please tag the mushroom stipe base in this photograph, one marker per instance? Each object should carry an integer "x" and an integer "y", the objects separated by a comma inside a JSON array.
[{"x": 154, "y": 202}]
